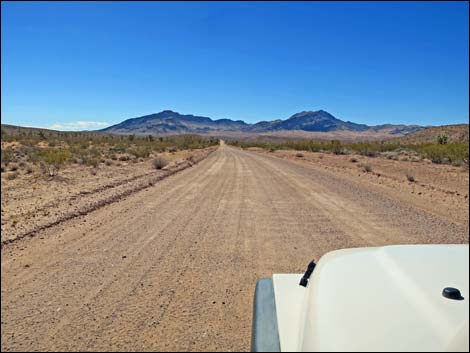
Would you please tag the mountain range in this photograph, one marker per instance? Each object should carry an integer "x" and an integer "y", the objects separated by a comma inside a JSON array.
[{"x": 320, "y": 121}]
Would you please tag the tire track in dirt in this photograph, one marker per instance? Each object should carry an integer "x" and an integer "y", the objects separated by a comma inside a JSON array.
[
  {"x": 128, "y": 278},
  {"x": 119, "y": 195}
]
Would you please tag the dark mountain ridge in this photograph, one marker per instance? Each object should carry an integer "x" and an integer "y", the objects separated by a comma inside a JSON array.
[{"x": 169, "y": 121}]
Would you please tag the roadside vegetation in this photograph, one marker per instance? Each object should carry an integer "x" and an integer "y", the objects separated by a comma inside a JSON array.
[
  {"x": 440, "y": 152},
  {"x": 27, "y": 149}
]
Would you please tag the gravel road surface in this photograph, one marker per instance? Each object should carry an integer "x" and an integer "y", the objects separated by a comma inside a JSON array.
[{"x": 174, "y": 266}]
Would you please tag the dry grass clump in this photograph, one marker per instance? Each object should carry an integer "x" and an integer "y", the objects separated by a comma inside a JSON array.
[
  {"x": 159, "y": 163},
  {"x": 365, "y": 167},
  {"x": 410, "y": 178}
]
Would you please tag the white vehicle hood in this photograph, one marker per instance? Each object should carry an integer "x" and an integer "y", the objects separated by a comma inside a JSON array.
[{"x": 385, "y": 299}]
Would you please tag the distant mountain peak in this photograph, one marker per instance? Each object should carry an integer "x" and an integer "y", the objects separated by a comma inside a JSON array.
[{"x": 171, "y": 122}]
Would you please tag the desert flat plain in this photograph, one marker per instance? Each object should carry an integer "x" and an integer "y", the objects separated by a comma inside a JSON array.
[{"x": 174, "y": 265}]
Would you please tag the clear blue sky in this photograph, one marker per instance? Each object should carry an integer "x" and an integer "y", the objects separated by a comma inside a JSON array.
[{"x": 75, "y": 65}]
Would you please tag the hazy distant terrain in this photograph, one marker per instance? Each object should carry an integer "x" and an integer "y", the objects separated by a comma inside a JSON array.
[
  {"x": 455, "y": 133},
  {"x": 309, "y": 124}
]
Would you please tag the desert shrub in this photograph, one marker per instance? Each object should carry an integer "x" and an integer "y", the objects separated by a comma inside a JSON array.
[
  {"x": 442, "y": 139},
  {"x": 159, "y": 163},
  {"x": 93, "y": 162},
  {"x": 13, "y": 167},
  {"x": 108, "y": 162},
  {"x": 368, "y": 152},
  {"x": 445, "y": 153},
  {"x": 337, "y": 147},
  {"x": 7, "y": 155},
  {"x": 300, "y": 155},
  {"x": 52, "y": 159},
  {"x": 124, "y": 158},
  {"x": 353, "y": 160},
  {"x": 172, "y": 149},
  {"x": 141, "y": 152},
  {"x": 366, "y": 168},
  {"x": 410, "y": 178},
  {"x": 11, "y": 176},
  {"x": 29, "y": 169}
]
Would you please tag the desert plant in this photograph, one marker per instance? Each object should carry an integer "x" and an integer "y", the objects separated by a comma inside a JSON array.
[
  {"x": 53, "y": 159},
  {"x": 300, "y": 155},
  {"x": 353, "y": 160},
  {"x": 410, "y": 178},
  {"x": 29, "y": 169},
  {"x": 13, "y": 167},
  {"x": 159, "y": 163},
  {"x": 337, "y": 148},
  {"x": 11, "y": 176},
  {"x": 442, "y": 139},
  {"x": 7, "y": 155},
  {"x": 366, "y": 168},
  {"x": 94, "y": 162}
]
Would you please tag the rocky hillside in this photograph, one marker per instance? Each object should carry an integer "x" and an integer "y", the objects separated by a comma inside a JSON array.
[{"x": 455, "y": 133}]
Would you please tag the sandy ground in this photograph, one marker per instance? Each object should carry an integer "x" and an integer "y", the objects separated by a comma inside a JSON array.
[
  {"x": 34, "y": 201},
  {"x": 439, "y": 189},
  {"x": 173, "y": 267}
]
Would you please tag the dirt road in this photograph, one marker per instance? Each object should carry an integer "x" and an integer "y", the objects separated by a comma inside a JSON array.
[{"x": 173, "y": 267}]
